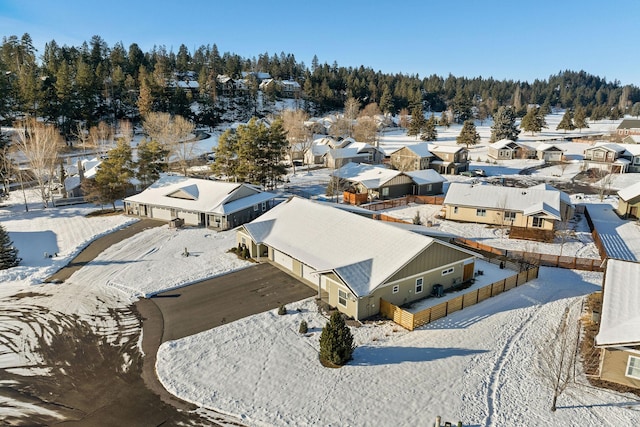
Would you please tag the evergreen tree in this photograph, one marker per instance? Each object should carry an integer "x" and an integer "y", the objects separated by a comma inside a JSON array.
[
  {"x": 417, "y": 121},
  {"x": 533, "y": 121},
  {"x": 444, "y": 120},
  {"x": 504, "y": 125},
  {"x": 113, "y": 176},
  {"x": 567, "y": 122},
  {"x": 468, "y": 135},
  {"x": 580, "y": 118},
  {"x": 8, "y": 253},
  {"x": 336, "y": 341},
  {"x": 152, "y": 161},
  {"x": 635, "y": 110},
  {"x": 386, "y": 102},
  {"x": 429, "y": 131},
  {"x": 615, "y": 114}
]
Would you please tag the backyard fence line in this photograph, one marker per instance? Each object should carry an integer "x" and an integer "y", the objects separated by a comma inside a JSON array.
[{"x": 411, "y": 321}]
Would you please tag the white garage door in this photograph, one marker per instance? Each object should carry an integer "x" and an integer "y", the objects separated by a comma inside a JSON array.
[
  {"x": 284, "y": 260},
  {"x": 160, "y": 213},
  {"x": 310, "y": 274},
  {"x": 190, "y": 218}
]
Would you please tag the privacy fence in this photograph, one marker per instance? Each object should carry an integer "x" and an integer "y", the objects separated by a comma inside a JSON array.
[{"x": 411, "y": 321}]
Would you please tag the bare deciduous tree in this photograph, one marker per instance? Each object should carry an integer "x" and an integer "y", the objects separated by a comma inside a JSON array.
[
  {"x": 40, "y": 144},
  {"x": 603, "y": 183},
  {"x": 175, "y": 134},
  {"x": 298, "y": 134}
]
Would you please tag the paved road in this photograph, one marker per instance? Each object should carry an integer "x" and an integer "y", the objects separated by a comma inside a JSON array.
[
  {"x": 223, "y": 299},
  {"x": 99, "y": 245}
]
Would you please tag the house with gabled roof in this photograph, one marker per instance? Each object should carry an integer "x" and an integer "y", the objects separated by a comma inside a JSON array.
[
  {"x": 539, "y": 208},
  {"x": 629, "y": 201},
  {"x": 619, "y": 330},
  {"x": 507, "y": 149},
  {"x": 628, "y": 127},
  {"x": 549, "y": 152},
  {"x": 631, "y": 139},
  {"x": 352, "y": 261},
  {"x": 411, "y": 157},
  {"x": 606, "y": 156},
  {"x": 449, "y": 159},
  {"x": 357, "y": 152},
  {"x": 200, "y": 202}
]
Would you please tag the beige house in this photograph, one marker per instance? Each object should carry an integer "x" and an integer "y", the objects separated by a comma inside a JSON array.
[
  {"x": 411, "y": 157},
  {"x": 613, "y": 158},
  {"x": 628, "y": 127},
  {"x": 200, "y": 202},
  {"x": 629, "y": 201},
  {"x": 540, "y": 207},
  {"x": 356, "y": 152},
  {"x": 550, "y": 153},
  {"x": 506, "y": 149},
  {"x": 449, "y": 159},
  {"x": 619, "y": 333},
  {"x": 353, "y": 261}
]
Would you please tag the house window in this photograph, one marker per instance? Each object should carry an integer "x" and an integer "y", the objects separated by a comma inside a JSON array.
[
  {"x": 481, "y": 212},
  {"x": 255, "y": 208},
  {"x": 396, "y": 289},
  {"x": 598, "y": 155},
  {"x": 418, "y": 285},
  {"x": 342, "y": 298},
  {"x": 455, "y": 209},
  {"x": 537, "y": 222},
  {"x": 633, "y": 367},
  {"x": 385, "y": 191},
  {"x": 510, "y": 216},
  {"x": 447, "y": 271},
  {"x": 264, "y": 206}
]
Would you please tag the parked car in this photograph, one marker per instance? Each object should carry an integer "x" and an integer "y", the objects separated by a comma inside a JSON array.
[
  {"x": 479, "y": 172},
  {"x": 467, "y": 173}
]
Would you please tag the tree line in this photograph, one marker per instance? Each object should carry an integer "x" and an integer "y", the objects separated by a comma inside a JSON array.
[{"x": 96, "y": 82}]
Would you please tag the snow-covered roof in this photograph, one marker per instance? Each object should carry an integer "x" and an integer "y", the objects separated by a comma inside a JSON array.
[
  {"x": 529, "y": 201},
  {"x": 363, "y": 252},
  {"x": 630, "y": 192},
  {"x": 421, "y": 150},
  {"x": 425, "y": 176},
  {"x": 198, "y": 195},
  {"x": 502, "y": 144},
  {"x": 445, "y": 148},
  {"x": 620, "y": 318},
  {"x": 629, "y": 124},
  {"x": 544, "y": 186},
  {"x": 347, "y": 153},
  {"x": 368, "y": 175},
  {"x": 547, "y": 146},
  {"x": 608, "y": 146}
]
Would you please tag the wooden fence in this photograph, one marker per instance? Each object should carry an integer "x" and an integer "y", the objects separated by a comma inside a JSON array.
[
  {"x": 403, "y": 201},
  {"x": 546, "y": 260},
  {"x": 383, "y": 217},
  {"x": 602, "y": 250},
  {"x": 412, "y": 321}
]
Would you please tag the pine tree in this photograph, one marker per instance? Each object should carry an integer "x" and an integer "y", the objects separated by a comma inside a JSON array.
[
  {"x": 8, "y": 253},
  {"x": 114, "y": 173},
  {"x": 580, "y": 118},
  {"x": 336, "y": 341},
  {"x": 468, "y": 134},
  {"x": 152, "y": 160},
  {"x": 533, "y": 121},
  {"x": 567, "y": 122},
  {"x": 444, "y": 120},
  {"x": 386, "y": 102},
  {"x": 417, "y": 121},
  {"x": 429, "y": 131},
  {"x": 504, "y": 125}
]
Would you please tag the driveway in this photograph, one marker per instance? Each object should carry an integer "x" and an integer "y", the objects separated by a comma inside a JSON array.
[{"x": 226, "y": 298}]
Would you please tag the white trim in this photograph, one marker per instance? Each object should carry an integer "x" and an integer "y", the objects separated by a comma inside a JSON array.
[
  {"x": 637, "y": 362},
  {"x": 395, "y": 289},
  {"x": 419, "y": 283}
]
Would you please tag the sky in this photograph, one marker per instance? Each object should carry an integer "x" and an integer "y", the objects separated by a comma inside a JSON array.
[{"x": 502, "y": 39}]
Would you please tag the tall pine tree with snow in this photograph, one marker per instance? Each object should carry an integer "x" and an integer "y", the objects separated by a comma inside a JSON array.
[
  {"x": 8, "y": 253},
  {"x": 429, "y": 131},
  {"x": 336, "y": 341},
  {"x": 468, "y": 135},
  {"x": 417, "y": 121},
  {"x": 580, "y": 118},
  {"x": 533, "y": 121},
  {"x": 504, "y": 125},
  {"x": 567, "y": 122}
]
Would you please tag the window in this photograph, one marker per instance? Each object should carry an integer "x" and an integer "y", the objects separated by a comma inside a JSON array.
[
  {"x": 510, "y": 216},
  {"x": 447, "y": 271},
  {"x": 342, "y": 298},
  {"x": 255, "y": 208},
  {"x": 418, "y": 285},
  {"x": 633, "y": 367},
  {"x": 264, "y": 206},
  {"x": 481, "y": 212},
  {"x": 537, "y": 221},
  {"x": 455, "y": 209},
  {"x": 385, "y": 191},
  {"x": 396, "y": 289}
]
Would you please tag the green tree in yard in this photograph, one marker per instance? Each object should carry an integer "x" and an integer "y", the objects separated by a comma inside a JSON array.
[
  {"x": 444, "y": 120},
  {"x": 533, "y": 121},
  {"x": 8, "y": 253},
  {"x": 417, "y": 121},
  {"x": 504, "y": 125},
  {"x": 567, "y": 122},
  {"x": 468, "y": 134},
  {"x": 429, "y": 131},
  {"x": 615, "y": 114},
  {"x": 635, "y": 110},
  {"x": 113, "y": 176},
  {"x": 386, "y": 101},
  {"x": 336, "y": 341},
  {"x": 152, "y": 161},
  {"x": 580, "y": 118}
]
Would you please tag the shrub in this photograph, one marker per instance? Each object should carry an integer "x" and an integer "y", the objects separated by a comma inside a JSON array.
[
  {"x": 282, "y": 310},
  {"x": 304, "y": 328},
  {"x": 336, "y": 341}
]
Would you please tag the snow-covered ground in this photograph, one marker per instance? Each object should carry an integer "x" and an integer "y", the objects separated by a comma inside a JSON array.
[{"x": 477, "y": 365}]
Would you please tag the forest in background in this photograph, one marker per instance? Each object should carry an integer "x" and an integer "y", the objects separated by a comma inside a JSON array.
[{"x": 96, "y": 82}]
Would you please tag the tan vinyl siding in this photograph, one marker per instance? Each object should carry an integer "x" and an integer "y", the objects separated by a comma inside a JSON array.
[
  {"x": 350, "y": 308},
  {"x": 434, "y": 256},
  {"x": 496, "y": 217},
  {"x": 614, "y": 367}
]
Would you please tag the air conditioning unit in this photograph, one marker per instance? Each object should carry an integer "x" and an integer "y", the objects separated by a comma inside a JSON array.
[{"x": 437, "y": 291}]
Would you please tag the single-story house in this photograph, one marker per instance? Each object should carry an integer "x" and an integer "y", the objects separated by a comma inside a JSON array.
[
  {"x": 86, "y": 169},
  {"x": 507, "y": 149},
  {"x": 352, "y": 261},
  {"x": 411, "y": 157},
  {"x": 357, "y": 152},
  {"x": 426, "y": 182},
  {"x": 619, "y": 333},
  {"x": 315, "y": 154},
  {"x": 631, "y": 139},
  {"x": 215, "y": 204},
  {"x": 629, "y": 201},
  {"x": 628, "y": 127},
  {"x": 449, "y": 159},
  {"x": 540, "y": 207},
  {"x": 549, "y": 152}
]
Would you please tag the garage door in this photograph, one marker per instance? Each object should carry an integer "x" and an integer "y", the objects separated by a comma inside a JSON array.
[
  {"x": 160, "y": 213},
  {"x": 284, "y": 260},
  {"x": 190, "y": 218},
  {"x": 309, "y": 274}
]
